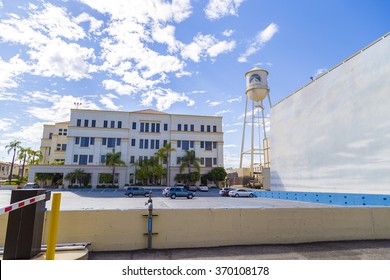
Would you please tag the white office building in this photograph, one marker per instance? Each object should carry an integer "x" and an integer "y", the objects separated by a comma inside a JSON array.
[{"x": 91, "y": 134}]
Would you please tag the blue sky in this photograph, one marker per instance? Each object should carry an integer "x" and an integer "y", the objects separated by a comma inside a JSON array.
[{"x": 180, "y": 57}]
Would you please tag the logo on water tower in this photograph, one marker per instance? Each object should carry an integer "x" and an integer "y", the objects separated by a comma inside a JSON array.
[{"x": 255, "y": 79}]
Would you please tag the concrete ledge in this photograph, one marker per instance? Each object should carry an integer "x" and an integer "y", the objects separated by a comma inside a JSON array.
[
  {"x": 121, "y": 230},
  {"x": 63, "y": 255}
]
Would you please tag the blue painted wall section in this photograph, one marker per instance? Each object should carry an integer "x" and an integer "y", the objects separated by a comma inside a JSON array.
[{"x": 344, "y": 199}]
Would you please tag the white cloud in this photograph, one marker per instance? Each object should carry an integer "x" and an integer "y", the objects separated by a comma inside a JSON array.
[
  {"x": 61, "y": 59},
  {"x": 217, "y": 9},
  {"x": 120, "y": 88},
  {"x": 231, "y": 131},
  {"x": 29, "y": 133},
  {"x": 238, "y": 99},
  {"x": 166, "y": 35},
  {"x": 6, "y": 124},
  {"x": 222, "y": 112},
  {"x": 259, "y": 41},
  {"x": 319, "y": 72},
  {"x": 214, "y": 103},
  {"x": 228, "y": 32},
  {"x": 164, "y": 98},
  {"x": 107, "y": 101},
  {"x": 60, "y": 106},
  {"x": 94, "y": 24},
  {"x": 204, "y": 45},
  {"x": 10, "y": 72}
]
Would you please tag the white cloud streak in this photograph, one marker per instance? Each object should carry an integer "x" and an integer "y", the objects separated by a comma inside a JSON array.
[
  {"x": 217, "y": 9},
  {"x": 259, "y": 41}
]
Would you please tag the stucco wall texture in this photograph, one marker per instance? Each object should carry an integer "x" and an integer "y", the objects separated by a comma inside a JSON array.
[{"x": 333, "y": 135}]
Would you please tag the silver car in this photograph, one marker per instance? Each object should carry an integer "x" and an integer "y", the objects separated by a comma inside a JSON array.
[{"x": 241, "y": 193}]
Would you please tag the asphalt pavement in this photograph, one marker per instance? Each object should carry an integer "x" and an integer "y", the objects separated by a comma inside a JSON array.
[{"x": 340, "y": 250}]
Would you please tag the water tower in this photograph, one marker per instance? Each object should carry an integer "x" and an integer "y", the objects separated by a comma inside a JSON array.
[{"x": 256, "y": 90}]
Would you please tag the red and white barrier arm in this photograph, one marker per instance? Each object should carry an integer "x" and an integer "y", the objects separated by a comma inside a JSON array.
[{"x": 22, "y": 203}]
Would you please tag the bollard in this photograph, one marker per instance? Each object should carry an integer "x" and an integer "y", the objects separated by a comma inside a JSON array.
[
  {"x": 150, "y": 221},
  {"x": 53, "y": 228}
]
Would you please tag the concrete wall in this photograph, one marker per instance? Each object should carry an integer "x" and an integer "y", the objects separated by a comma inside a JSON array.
[
  {"x": 333, "y": 135},
  {"x": 110, "y": 230}
]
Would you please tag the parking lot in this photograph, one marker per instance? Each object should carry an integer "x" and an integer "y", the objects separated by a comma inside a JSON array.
[{"x": 109, "y": 199}]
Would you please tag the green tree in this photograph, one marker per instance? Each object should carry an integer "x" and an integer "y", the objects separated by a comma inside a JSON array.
[
  {"x": 78, "y": 175},
  {"x": 218, "y": 174},
  {"x": 165, "y": 155},
  {"x": 34, "y": 156},
  {"x": 14, "y": 145},
  {"x": 22, "y": 155},
  {"x": 113, "y": 159},
  {"x": 188, "y": 161}
]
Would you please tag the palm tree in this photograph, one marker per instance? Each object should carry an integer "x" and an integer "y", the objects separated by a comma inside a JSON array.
[
  {"x": 14, "y": 145},
  {"x": 165, "y": 154},
  {"x": 22, "y": 155},
  {"x": 34, "y": 154},
  {"x": 113, "y": 159},
  {"x": 77, "y": 175},
  {"x": 189, "y": 160}
]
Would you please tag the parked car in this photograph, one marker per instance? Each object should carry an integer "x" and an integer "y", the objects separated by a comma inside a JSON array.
[
  {"x": 203, "y": 188},
  {"x": 132, "y": 191},
  {"x": 225, "y": 191},
  {"x": 31, "y": 186},
  {"x": 241, "y": 193},
  {"x": 166, "y": 191},
  {"x": 192, "y": 188},
  {"x": 180, "y": 192}
]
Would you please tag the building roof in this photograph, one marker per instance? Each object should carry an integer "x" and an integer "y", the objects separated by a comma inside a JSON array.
[{"x": 150, "y": 111}]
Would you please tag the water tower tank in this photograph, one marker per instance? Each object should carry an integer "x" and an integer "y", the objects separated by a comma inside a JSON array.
[{"x": 257, "y": 84}]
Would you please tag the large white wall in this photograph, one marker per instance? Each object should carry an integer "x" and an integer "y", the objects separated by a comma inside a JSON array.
[{"x": 334, "y": 134}]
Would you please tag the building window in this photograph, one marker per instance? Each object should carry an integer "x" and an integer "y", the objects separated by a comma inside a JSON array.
[
  {"x": 85, "y": 123},
  {"x": 165, "y": 142},
  {"x": 214, "y": 128},
  {"x": 215, "y": 161},
  {"x": 178, "y": 160},
  {"x": 157, "y": 127},
  {"x": 50, "y": 135},
  {"x": 209, "y": 162},
  {"x": 103, "y": 158},
  {"x": 192, "y": 127},
  {"x": 105, "y": 123},
  {"x": 191, "y": 144},
  {"x": 208, "y": 128},
  {"x": 132, "y": 159},
  {"x": 165, "y": 127},
  {"x": 84, "y": 142},
  {"x": 104, "y": 141},
  {"x": 78, "y": 123},
  {"x": 134, "y": 125},
  {"x": 157, "y": 144},
  {"x": 152, "y": 144},
  {"x": 202, "y": 128},
  {"x": 111, "y": 142},
  {"x": 90, "y": 158},
  {"x": 133, "y": 142},
  {"x": 75, "y": 158},
  {"x": 140, "y": 159},
  {"x": 118, "y": 141},
  {"x": 77, "y": 140},
  {"x": 214, "y": 145},
  {"x": 141, "y": 143},
  {"x": 142, "y": 129},
  {"x": 58, "y": 147},
  {"x": 208, "y": 145},
  {"x": 112, "y": 124},
  {"x": 179, "y": 127},
  {"x": 93, "y": 124},
  {"x": 60, "y": 131},
  {"x": 185, "y": 145},
  {"x": 178, "y": 143},
  {"x": 92, "y": 141},
  {"x": 65, "y": 131},
  {"x": 202, "y": 160},
  {"x": 119, "y": 124},
  {"x": 146, "y": 127},
  {"x": 83, "y": 159},
  {"x": 146, "y": 143},
  {"x": 153, "y": 127},
  {"x": 186, "y": 127},
  {"x": 63, "y": 147}
]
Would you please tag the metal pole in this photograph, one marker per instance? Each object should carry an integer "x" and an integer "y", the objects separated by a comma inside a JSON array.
[
  {"x": 150, "y": 221},
  {"x": 243, "y": 131},
  {"x": 253, "y": 136},
  {"x": 53, "y": 228}
]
